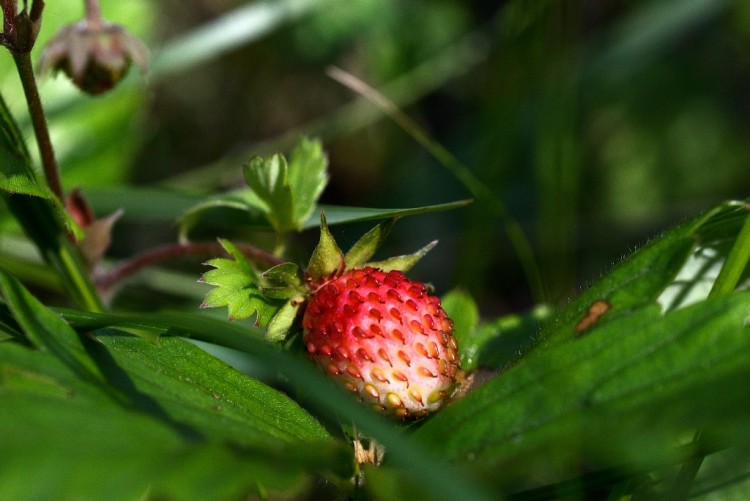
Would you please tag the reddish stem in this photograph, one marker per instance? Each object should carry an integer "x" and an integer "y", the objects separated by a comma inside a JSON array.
[
  {"x": 167, "y": 252},
  {"x": 93, "y": 13},
  {"x": 10, "y": 7},
  {"x": 39, "y": 122}
]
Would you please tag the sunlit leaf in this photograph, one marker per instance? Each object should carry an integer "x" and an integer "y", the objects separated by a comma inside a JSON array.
[
  {"x": 631, "y": 391},
  {"x": 307, "y": 178},
  {"x": 236, "y": 287},
  {"x": 268, "y": 178},
  {"x": 46, "y": 330}
]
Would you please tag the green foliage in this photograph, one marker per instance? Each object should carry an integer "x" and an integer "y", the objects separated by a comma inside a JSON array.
[
  {"x": 235, "y": 284},
  {"x": 622, "y": 391},
  {"x": 308, "y": 176},
  {"x": 163, "y": 418},
  {"x": 281, "y": 194},
  {"x": 40, "y": 214}
]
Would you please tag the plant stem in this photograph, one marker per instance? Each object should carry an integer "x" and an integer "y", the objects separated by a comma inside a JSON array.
[
  {"x": 93, "y": 12},
  {"x": 39, "y": 122},
  {"x": 168, "y": 252},
  {"x": 10, "y": 7}
]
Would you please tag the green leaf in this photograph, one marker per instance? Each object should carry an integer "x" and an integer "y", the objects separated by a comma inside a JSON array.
[
  {"x": 44, "y": 220},
  {"x": 326, "y": 258},
  {"x": 183, "y": 419},
  {"x": 615, "y": 378},
  {"x": 495, "y": 345},
  {"x": 236, "y": 287},
  {"x": 341, "y": 215},
  {"x": 308, "y": 178},
  {"x": 281, "y": 323},
  {"x": 238, "y": 208},
  {"x": 244, "y": 435},
  {"x": 158, "y": 205},
  {"x": 46, "y": 330},
  {"x": 639, "y": 281},
  {"x": 197, "y": 390},
  {"x": 462, "y": 309},
  {"x": 141, "y": 204},
  {"x": 403, "y": 263},
  {"x": 19, "y": 184},
  {"x": 269, "y": 180},
  {"x": 366, "y": 246},
  {"x": 631, "y": 391},
  {"x": 439, "y": 480}
]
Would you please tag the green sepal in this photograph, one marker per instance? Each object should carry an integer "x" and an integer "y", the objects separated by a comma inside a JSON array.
[
  {"x": 284, "y": 275},
  {"x": 327, "y": 257},
  {"x": 403, "y": 263},
  {"x": 283, "y": 281},
  {"x": 281, "y": 324},
  {"x": 279, "y": 292},
  {"x": 366, "y": 246}
]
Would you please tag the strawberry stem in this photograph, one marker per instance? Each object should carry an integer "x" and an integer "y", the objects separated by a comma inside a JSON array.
[{"x": 172, "y": 251}]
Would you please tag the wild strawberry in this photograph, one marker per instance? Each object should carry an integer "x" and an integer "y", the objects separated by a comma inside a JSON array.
[
  {"x": 379, "y": 333},
  {"x": 385, "y": 337}
]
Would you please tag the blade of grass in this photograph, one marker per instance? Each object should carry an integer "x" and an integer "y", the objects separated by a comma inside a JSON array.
[{"x": 460, "y": 171}]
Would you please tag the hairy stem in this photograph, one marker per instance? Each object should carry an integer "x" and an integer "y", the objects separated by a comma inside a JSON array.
[
  {"x": 10, "y": 7},
  {"x": 168, "y": 252},
  {"x": 39, "y": 122}
]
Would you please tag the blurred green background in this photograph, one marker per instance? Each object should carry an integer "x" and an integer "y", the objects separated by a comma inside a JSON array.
[{"x": 595, "y": 124}]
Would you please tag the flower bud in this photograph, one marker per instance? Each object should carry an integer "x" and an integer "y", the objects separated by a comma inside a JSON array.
[{"x": 94, "y": 54}]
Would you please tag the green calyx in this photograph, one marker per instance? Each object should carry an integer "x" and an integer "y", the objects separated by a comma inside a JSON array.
[{"x": 274, "y": 298}]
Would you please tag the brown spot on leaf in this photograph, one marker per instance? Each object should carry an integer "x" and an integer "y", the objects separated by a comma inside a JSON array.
[{"x": 595, "y": 311}]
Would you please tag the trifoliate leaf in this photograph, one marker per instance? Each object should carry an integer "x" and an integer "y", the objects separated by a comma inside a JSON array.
[
  {"x": 307, "y": 177},
  {"x": 281, "y": 323},
  {"x": 366, "y": 246},
  {"x": 269, "y": 180},
  {"x": 326, "y": 258},
  {"x": 236, "y": 287},
  {"x": 403, "y": 263}
]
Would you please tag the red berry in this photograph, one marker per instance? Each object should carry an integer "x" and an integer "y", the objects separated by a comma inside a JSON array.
[{"x": 385, "y": 338}]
